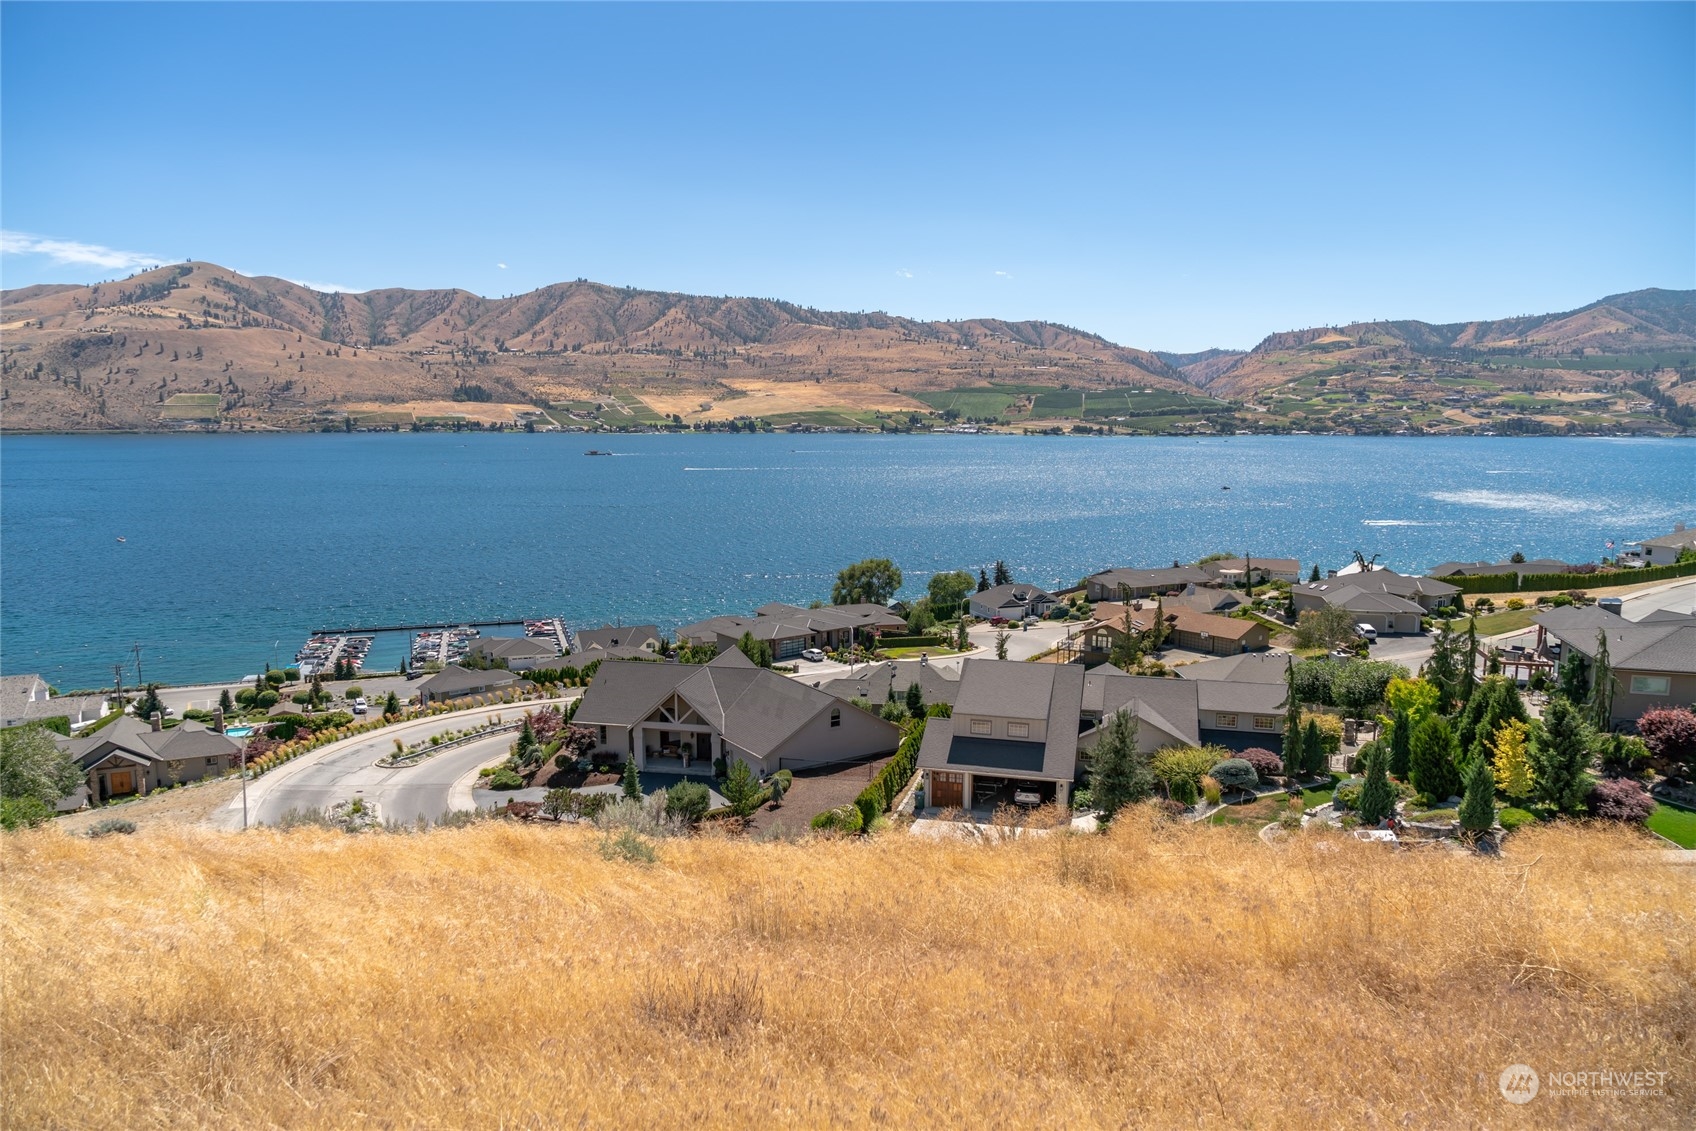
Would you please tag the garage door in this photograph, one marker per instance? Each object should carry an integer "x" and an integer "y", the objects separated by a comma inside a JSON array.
[{"x": 946, "y": 790}]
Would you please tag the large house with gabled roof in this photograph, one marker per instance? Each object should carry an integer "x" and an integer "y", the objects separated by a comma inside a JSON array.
[
  {"x": 678, "y": 718},
  {"x": 134, "y": 756}
]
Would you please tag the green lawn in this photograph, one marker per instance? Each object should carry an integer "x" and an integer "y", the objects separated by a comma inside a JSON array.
[
  {"x": 1492, "y": 624},
  {"x": 1677, "y": 825}
]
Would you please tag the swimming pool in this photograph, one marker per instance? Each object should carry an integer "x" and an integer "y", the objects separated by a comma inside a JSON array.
[{"x": 238, "y": 732}]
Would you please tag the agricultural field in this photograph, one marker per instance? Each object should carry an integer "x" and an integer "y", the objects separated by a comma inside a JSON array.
[
  {"x": 191, "y": 406},
  {"x": 1093, "y": 404}
]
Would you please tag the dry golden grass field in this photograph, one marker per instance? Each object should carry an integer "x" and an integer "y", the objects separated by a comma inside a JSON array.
[{"x": 1160, "y": 976}]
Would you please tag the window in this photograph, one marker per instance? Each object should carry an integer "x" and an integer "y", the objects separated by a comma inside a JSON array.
[
  {"x": 1651, "y": 684},
  {"x": 1018, "y": 730},
  {"x": 1229, "y": 722},
  {"x": 1266, "y": 722},
  {"x": 982, "y": 726},
  {"x": 836, "y": 716},
  {"x": 603, "y": 736}
]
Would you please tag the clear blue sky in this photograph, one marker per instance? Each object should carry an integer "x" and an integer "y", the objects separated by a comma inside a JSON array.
[{"x": 1171, "y": 177}]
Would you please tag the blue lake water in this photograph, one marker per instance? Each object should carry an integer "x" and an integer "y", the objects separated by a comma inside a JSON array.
[{"x": 237, "y": 546}]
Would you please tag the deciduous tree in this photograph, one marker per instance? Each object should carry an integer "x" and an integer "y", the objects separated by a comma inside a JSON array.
[
  {"x": 1511, "y": 761},
  {"x": 872, "y": 581}
]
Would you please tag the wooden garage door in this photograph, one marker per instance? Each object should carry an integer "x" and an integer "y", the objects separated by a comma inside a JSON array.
[{"x": 946, "y": 789}]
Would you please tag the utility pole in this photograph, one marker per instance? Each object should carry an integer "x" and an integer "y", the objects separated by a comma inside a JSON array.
[
  {"x": 136, "y": 648},
  {"x": 244, "y": 787},
  {"x": 118, "y": 678}
]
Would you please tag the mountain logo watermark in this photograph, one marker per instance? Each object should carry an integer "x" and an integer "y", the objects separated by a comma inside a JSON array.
[{"x": 1519, "y": 1084}]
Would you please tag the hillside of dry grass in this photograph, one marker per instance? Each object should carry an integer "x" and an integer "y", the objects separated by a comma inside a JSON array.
[
  {"x": 512, "y": 976},
  {"x": 271, "y": 353}
]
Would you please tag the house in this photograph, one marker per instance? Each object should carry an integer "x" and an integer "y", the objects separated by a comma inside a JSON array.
[
  {"x": 1204, "y": 600},
  {"x": 1013, "y": 601},
  {"x": 515, "y": 653},
  {"x": 1653, "y": 660},
  {"x": 1222, "y": 636},
  {"x": 1247, "y": 667},
  {"x": 791, "y": 630},
  {"x": 1165, "y": 709},
  {"x": 1665, "y": 549},
  {"x": 1388, "y": 601},
  {"x": 29, "y": 699},
  {"x": 1201, "y": 632},
  {"x": 1013, "y": 736},
  {"x": 132, "y": 755},
  {"x": 1231, "y": 571},
  {"x": 621, "y": 641},
  {"x": 455, "y": 682},
  {"x": 677, "y": 718},
  {"x": 1491, "y": 569},
  {"x": 1127, "y": 584},
  {"x": 878, "y": 683}
]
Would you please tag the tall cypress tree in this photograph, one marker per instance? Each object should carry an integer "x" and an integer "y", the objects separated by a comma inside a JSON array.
[
  {"x": 1602, "y": 686},
  {"x": 1478, "y": 806},
  {"x": 1377, "y": 799},
  {"x": 1468, "y": 681},
  {"x": 1401, "y": 745},
  {"x": 1313, "y": 749},
  {"x": 1432, "y": 761},
  {"x": 1293, "y": 750},
  {"x": 1560, "y": 755}
]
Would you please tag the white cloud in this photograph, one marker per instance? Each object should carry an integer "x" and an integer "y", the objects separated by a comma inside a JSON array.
[
  {"x": 74, "y": 253},
  {"x": 324, "y": 288},
  {"x": 1004, "y": 274},
  {"x": 502, "y": 266},
  {"x": 902, "y": 272}
]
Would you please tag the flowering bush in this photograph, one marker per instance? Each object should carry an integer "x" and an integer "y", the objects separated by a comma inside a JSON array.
[
  {"x": 1670, "y": 733},
  {"x": 1620, "y": 799},
  {"x": 1267, "y": 765}
]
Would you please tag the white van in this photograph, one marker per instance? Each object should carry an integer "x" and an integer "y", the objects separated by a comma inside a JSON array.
[{"x": 1367, "y": 633}]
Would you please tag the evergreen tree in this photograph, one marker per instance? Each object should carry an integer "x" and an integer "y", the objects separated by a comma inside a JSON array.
[
  {"x": 225, "y": 703},
  {"x": 758, "y": 651},
  {"x": 1377, "y": 799},
  {"x": 1443, "y": 668},
  {"x": 632, "y": 780},
  {"x": 1001, "y": 643},
  {"x": 1478, "y": 806},
  {"x": 391, "y": 706},
  {"x": 1602, "y": 687},
  {"x": 983, "y": 581},
  {"x": 1003, "y": 576},
  {"x": 1511, "y": 761},
  {"x": 1293, "y": 745},
  {"x": 962, "y": 639},
  {"x": 1401, "y": 745},
  {"x": 1560, "y": 755},
  {"x": 149, "y": 703},
  {"x": 915, "y": 699},
  {"x": 1313, "y": 749},
  {"x": 1313, "y": 575},
  {"x": 1494, "y": 703},
  {"x": 1119, "y": 772},
  {"x": 1575, "y": 675},
  {"x": 1432, "y": 759},
  {"x": 1469, "y": 665}
]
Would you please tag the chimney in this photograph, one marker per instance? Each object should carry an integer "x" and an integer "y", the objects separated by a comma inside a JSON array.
[
  {"x": 158, "y": 724},
  {"x": 1678, "y": 528},
  {"x": 217, "y": 720}
]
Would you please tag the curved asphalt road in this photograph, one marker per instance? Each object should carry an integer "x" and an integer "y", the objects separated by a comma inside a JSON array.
[{"x": 348, "y": 769}]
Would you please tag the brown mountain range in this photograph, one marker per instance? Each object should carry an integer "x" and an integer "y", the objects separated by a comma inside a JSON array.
[{"x": 198, "y": 343}]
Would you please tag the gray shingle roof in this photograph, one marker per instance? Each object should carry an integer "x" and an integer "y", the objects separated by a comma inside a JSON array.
[
  {"x": 138, "y": 738},
  {"x": 1661, "y": 645},
  {"x": 1169, "y": 577},
  {"x": 454, "y": 679},
  {"x": 1676, "y": 540},
  {"x": 876, "y": 682},
  {"x": 1250, "y": 667},
  {"x": 1168, "y": 704},
  {"x": 514, "y": 648},
  {"x": 616, "y": 636},
  {"x": 1381, "y": 581},
  {"x": 1008, "y": 689}
]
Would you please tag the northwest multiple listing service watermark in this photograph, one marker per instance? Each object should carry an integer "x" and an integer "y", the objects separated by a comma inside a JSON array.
[{"x": 1520, "y": 1084}]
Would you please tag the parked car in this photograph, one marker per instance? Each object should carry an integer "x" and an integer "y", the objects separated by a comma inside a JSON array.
[
  {"x": 997, "y": 622},
  {"x": 813, "y": 654},
  {"x": 360, "y": 706},
  {"x": 1367, "y": 633}
]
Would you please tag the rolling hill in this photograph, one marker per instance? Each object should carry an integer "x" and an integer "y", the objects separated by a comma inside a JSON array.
[
  {"x": 268, "y": 352},
  {"x": 195, "y": 345}
]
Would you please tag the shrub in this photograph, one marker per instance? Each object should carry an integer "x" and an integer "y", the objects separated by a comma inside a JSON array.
[
  {"x": 112, "y": 825},
  {"x": 504, "y": 778},
  {"x": 1235, "y": 773},
  {"x": 1511, "y": 819},
  {"x": 688, "y": 801},
  {"x": 275, "y": 678},
  {"x": 1670, "y": 733},
  {"x": 1330, "y": 730},
  {"x": 1210, "y": 790},
  {"x": 1267, "y": 765},
  {"x": 1516, "y": 603},
  {"x": 265, "y": 700},
  {"x": 1347, "y": 795},
  {"x": 1620, "y": 799},
  {"x": 1184, "y": 791},
  {"x": 842, "y": 819},
  {"x": 1182, "y": 762},
  {"x": 870, "y": 805},
  {"x": 23, "y": 812}
]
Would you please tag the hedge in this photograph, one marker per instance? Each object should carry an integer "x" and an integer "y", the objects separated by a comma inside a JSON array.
[
  {"x": 1541, "y": 582},
  {"x": 911, "y": 642},
  {"x": 878, "y": 797}
]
